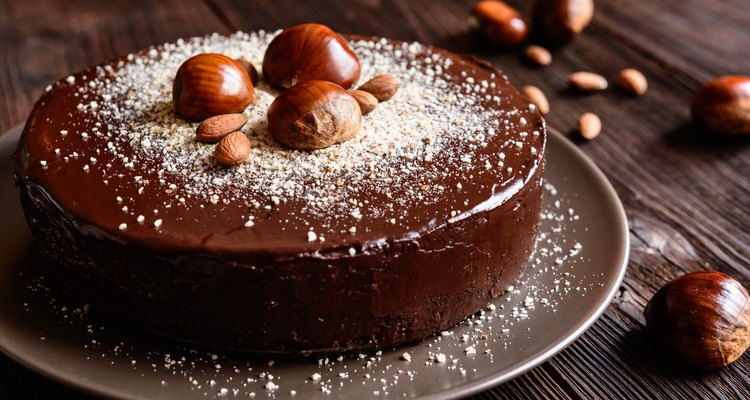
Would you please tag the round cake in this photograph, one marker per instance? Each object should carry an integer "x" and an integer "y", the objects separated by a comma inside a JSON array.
[{"x": 420, "y": 220}]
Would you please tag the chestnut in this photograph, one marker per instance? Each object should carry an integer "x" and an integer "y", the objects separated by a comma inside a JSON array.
[
  {"x": 211, "y": 84},
  {"x": 309, "y": 52},
  {"x": 561, "y": 20},
  {"x": 250, "y": 69},
  {"x": 498, "y": 22},
  {"x": 313, "y": 115},
  {"x": 701, "y": 319},
  {"x": 722, "y": 106}
]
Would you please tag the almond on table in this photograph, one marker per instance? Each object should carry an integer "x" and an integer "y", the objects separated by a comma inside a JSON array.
[
  {"x": 632, "y": 81},
  {"x": 538, "y": 55},
  {"x": 590, "y": 126},
  {"x": 587, "y": 81}
]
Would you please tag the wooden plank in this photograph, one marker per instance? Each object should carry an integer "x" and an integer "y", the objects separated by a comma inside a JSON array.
[
  {"x": 44, "y": 40},
  {"x": 703, "y": 38}
]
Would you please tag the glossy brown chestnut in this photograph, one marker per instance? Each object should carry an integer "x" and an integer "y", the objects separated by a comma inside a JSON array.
[
  {"x": 722, "y": 105},
  {"x": 498, "y": 22},
  {"x": 309, "y": 52},
  {"x": 313, "y": 115},
  {"x": 560, "y": 20},
  {"x": 250, "y": 69},
  {"x": 701, "y": 319},
  {"x": 211, "y": 84}
]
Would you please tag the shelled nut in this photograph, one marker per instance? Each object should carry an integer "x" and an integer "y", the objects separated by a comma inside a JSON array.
[
  {"x": 537, "y": 97},
  {"x": 632, "y": 81},
  {"x": 590, "y": 126},
  {"x": 538, "y": 55},
  {"x": 587, "y": 81},
  {"x": 233, "y": 149}
]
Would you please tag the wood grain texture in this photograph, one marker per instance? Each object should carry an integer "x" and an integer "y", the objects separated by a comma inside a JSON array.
[{"x": 687, "y": 195}]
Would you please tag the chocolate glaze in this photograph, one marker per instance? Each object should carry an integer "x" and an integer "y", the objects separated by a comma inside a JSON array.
[{"x": 202, "y": 278}]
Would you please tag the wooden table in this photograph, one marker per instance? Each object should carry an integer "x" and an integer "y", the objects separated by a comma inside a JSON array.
[{"x": 687, "y": 195}]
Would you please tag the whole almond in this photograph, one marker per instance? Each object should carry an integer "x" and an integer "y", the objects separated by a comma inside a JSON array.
[
  {"x": 589, "y": 125},
  {"x": 233, "y": 149},
  {"x": 537, "y": 97},
  {"x": 632, "y": 81},
  {"x": 587, "y": 81},
  {"x": 538, "y": 55},
  {"x": 383, "y": 87},
  {"x": 215, "y": 128},
  {"x": 367, "y": 102}
]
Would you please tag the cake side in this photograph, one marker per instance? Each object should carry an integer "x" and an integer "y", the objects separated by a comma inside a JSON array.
[
  {"x": 424, "y": 239},
  {"x": 406, "y": 291}
]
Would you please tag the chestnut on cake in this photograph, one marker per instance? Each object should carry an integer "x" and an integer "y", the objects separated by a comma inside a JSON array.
[{"x": 405, "y": 220}]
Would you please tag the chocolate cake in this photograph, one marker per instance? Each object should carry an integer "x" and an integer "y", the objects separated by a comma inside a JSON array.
[{"x": 422, "y": 219}]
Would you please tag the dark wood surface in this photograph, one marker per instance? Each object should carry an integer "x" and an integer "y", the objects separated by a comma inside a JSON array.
[{"x": 687, "y": 195}]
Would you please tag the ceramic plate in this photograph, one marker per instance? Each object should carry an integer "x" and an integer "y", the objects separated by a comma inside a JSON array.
[{"x": 577, "y": 267}]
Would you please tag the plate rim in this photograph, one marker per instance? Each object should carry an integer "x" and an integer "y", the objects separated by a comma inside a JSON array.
[
  {"x": 489, "y": 382},
  {"x": 458, "y": 391}
]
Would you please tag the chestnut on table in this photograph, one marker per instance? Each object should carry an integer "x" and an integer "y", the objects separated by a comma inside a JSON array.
[{"x": 701, "y": 319}]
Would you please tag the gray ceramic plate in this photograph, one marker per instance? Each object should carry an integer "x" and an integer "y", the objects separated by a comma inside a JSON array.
[{"x": 577, "y": 267}]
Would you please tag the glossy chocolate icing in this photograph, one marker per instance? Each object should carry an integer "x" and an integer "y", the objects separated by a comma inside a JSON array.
[{"x": 202, "y": 277}]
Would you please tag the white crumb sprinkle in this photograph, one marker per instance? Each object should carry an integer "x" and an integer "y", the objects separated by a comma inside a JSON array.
[{"x": 390, "y": 150}]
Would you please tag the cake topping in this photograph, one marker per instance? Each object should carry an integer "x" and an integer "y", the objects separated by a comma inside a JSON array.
[
  {"x": 383, "y": 87},
  {"x": 211, "y": 84},
  {"x": 215, "y": 128},
  {"x": 233, "y": 149},
  {"x": 250, "y": 69},
  {"x": 366, "y": 101},
  {"x": 408, "y": 150},
  {"x": 313, "y": 115},
  {"x": 309, "y": 52}
]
